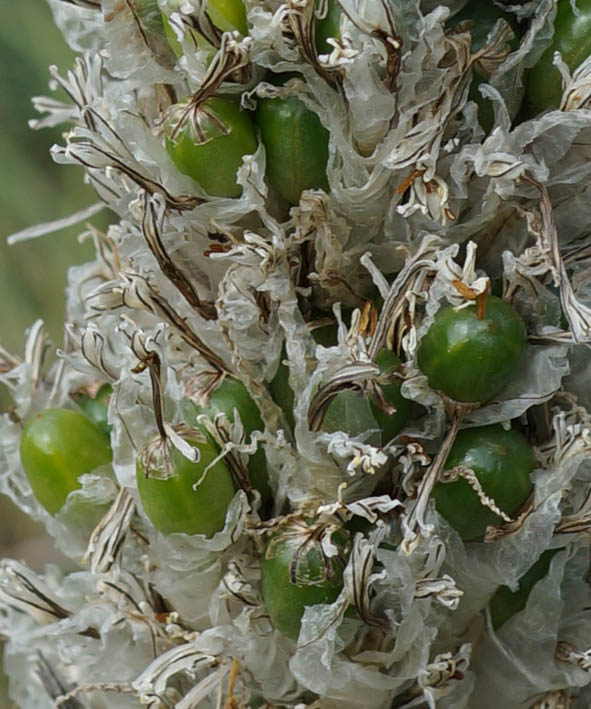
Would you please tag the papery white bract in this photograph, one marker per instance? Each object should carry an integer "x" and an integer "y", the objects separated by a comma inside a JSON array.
[{"x": 424, "y": 209}]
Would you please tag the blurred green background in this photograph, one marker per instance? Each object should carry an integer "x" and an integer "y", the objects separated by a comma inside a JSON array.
[{"x": 32, "y": 189}]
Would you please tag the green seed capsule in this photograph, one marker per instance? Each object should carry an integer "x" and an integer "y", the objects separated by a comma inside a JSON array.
[
  {"x": 350, "y": 411},
  {"x": 355, "y": 413},
  {"x": 231, "y": 394},
  {"x": 572, "y": 38},
  {"x": 226, "y": 15},
  {"x": 178, "y": 503},
  {"x": 257, "y": 703},
  {"x": 210, "y": 144},
  {"x": 57, "y": 447},
  {"x": 296, "y": 574},
  {"x": 96, "y": 408},
  {"x": 502, "y": 461},
  {"x": 327, "y": 28},
  {"x": 296, "y": 146},
  {"x": 469, "y": 358}
]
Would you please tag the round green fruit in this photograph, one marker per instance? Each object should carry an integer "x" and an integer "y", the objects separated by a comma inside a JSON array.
[
  {"x": 178, "y": 503},
  {"x": 296, "y": 146},
  {"x": 471, "y": 359},
  {"x": 257, "y": 703},
  {"x": 572, "y": 38},
  {"x": 296, "y": 573},
  {"x": 231, "y": 394},
  {"x": 502, "y": 462},
  {"x": 210, "y": 143},
  {"x": 58, "y": 446},
  {"x": 228, "y": 15},
  {"x": 354, "y": 413},
  {"x": 96, "y": 408},
  {"x": 328, "y": 27}
]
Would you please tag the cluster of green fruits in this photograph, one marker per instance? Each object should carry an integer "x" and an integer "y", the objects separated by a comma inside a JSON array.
[
  {"x": 296, "y": 143},
  {"x": 218, "y": 132},
  {"x": 468, "y": 354}
]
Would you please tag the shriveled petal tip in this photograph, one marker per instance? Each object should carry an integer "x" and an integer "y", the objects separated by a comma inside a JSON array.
[{"x": 55, "y": 226}]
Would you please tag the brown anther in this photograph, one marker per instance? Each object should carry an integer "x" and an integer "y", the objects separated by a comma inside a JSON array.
[
  {"x": 369, "y": 319},
  {"x": 407, "y": 182},
  {"x": 407, "y": 318},
  {"x": 262, "y": 300},
  {"x": 470, "y": 294},
  {"x": 481, "y": 303},
  {"x": 464, "y": 290},
  {"x": 216, "y": 249},
  {"x": 405, "y": 440}
]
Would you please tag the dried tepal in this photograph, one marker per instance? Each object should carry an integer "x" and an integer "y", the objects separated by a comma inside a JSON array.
[{"x": 338, "y": 458}]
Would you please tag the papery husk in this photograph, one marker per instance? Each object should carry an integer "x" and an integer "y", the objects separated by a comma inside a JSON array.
[{"x": 417, "y": 188}]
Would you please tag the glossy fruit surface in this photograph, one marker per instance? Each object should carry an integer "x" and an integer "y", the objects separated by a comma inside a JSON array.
[
  {"x": 57, "y": 447},
  {"x": 228, "y": 15},
  {"x": 469, "y": 358},
  {"x": 171, "y": 37},
  {"x": 210, "y": 144},
  {"x": 328, "y": 27},
  {"x": 231, "y": 394},
  {"x": 96, "y": 408},
  {"x": 502, "y": 461},
  {"x": 572, "y": 38},
  {"x": 505, "y": 603},
  {"x": 356, "y": 413},
  {"x": 484, "y": 16},
  {"x": 178, "y": 504},
  {"x": 296, "y": 145},
  {"x": 295, "y": 575}
]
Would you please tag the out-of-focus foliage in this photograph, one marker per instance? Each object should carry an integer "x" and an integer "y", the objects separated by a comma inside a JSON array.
[{"x": 32, "y": 188}]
